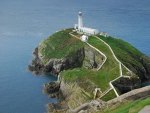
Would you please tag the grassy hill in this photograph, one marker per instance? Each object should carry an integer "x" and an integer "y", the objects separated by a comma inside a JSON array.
[
  {"x": 61, "y": 44},
  {"x": 130, "y": 56},
  {"x": 101, "y": 77},
  {"x": 80, "y": 81}
]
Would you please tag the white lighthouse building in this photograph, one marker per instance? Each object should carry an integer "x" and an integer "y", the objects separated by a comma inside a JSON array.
[
  {"x": 85, "y": 30},
  {"x": 80, "y": 21}
]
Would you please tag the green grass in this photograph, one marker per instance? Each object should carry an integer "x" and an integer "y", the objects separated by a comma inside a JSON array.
[
  {"x": 101, "y": 78},
  {"x": 127, "y": 107},
  {"x": 110, "y": 69},
  {"x": 125, "y": 52},
  {"x": 110, "y": 95},
  {"x": 59, "y": 45},
  {"x": 125, "y": 71}
]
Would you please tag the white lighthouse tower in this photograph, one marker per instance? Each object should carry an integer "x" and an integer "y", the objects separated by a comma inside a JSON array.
[
  {"x": 82, "y": 29},
  {"x": 80, "y": 21}
]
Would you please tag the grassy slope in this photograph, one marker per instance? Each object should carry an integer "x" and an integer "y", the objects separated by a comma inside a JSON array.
[
  {"x": 111, "y": 94},
  {"x": 110, "y": 69},
  {"x": 127, "y": 107},
  {"x": 59, "y": 45},
  {"x": 101, "y": 78},
  {"x": 124, "y": 51}
]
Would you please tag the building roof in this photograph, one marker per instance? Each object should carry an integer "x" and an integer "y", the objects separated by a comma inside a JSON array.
[
  {"x": 88, "y": 29},
  {"x": 84, "y": 36}
]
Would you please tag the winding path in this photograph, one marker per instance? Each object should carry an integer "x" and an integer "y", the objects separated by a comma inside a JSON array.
[
  {"x": 120, "y": 67},
  {"x": 105, "y": 58}
]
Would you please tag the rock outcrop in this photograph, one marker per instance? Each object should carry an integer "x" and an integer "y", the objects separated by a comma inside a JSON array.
[
  {"x": 76, "y": 95},
  {"x": 67, "y": 105},
  {"x": 92, "y": 58},
  {"x": 127, "y": 84},
  {"x": 86, "y": 56},
  {"x": 142, "y": 68},
  {"x": 53, "y": 89},
  {"x": 146, "y": 67},
  {"x": 55, "y": 66}
]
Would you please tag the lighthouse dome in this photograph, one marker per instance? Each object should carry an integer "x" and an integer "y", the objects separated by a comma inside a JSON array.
[{"x": 80, "y": 13}]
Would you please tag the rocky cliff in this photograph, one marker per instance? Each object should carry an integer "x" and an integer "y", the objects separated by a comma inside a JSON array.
[
  {"x": 54, "y": 65},
  {"x": 86, "y": 57},
  {"x": 76, "y": 63}
]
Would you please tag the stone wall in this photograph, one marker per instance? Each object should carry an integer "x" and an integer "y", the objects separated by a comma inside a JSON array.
[{"x": 132, "y": 95}]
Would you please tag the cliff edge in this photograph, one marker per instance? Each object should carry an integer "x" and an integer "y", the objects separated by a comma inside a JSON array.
[{"x": 83, "y": 73}]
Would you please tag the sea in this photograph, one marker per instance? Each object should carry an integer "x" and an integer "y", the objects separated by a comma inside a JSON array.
[{"x": 25, "y": 23}]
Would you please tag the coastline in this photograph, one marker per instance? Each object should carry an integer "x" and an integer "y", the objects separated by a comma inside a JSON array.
[
  {"x": 67, "y": 92},
  {"x": 61, "y": 90}
]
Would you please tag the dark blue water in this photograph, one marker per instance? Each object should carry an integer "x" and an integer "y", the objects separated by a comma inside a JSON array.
[{"x": 24, "y": 23}]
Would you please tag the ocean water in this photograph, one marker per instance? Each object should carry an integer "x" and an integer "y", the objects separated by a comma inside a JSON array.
[{"x": 24, "y": 23}]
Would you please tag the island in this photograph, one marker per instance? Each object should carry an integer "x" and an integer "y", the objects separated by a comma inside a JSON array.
[{"x": 95, "y": 71}]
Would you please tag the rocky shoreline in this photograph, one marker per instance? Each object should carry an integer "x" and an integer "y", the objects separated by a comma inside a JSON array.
[
  {"x": 53, "y": 90},
  {"x": 57, "y": 89},
  {"x": 55, "y": 66},
  {"x": 85, "y": 56}
]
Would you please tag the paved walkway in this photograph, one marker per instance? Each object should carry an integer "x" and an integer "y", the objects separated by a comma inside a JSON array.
[{"x": 146, "y": 109}]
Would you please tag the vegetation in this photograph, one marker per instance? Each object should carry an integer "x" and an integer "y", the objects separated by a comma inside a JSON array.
[
  {"x": 59, "y": 45},
  {"x": 102, "y": 77},
  {"x": 125, "y": 52},
  {"x": 62, "y": 44},
  {"x": 124, "y": 70},
  {"x": 110, "y": 95},
  {"x": 111, "y": 66},
  {"x": 127, "y": 107}
]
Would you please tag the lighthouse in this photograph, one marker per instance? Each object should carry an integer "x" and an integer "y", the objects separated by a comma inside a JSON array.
[
  {"x": 82, "y": 29},
  {"x": 80, "y": 20}
]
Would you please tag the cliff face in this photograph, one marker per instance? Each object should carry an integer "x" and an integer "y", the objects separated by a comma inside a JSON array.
[
  {"x": 85, "y": 57},
  {"x": 61, "y": 52},
  {"x": 145, "y": 70},
  {"x": 127, "y": 84},
  {"x": 55, "y": 66},
  {"x": 140, "y": 67},
  {"x": 76, "y": 63},
  {"x": 92, "y": 58}
]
